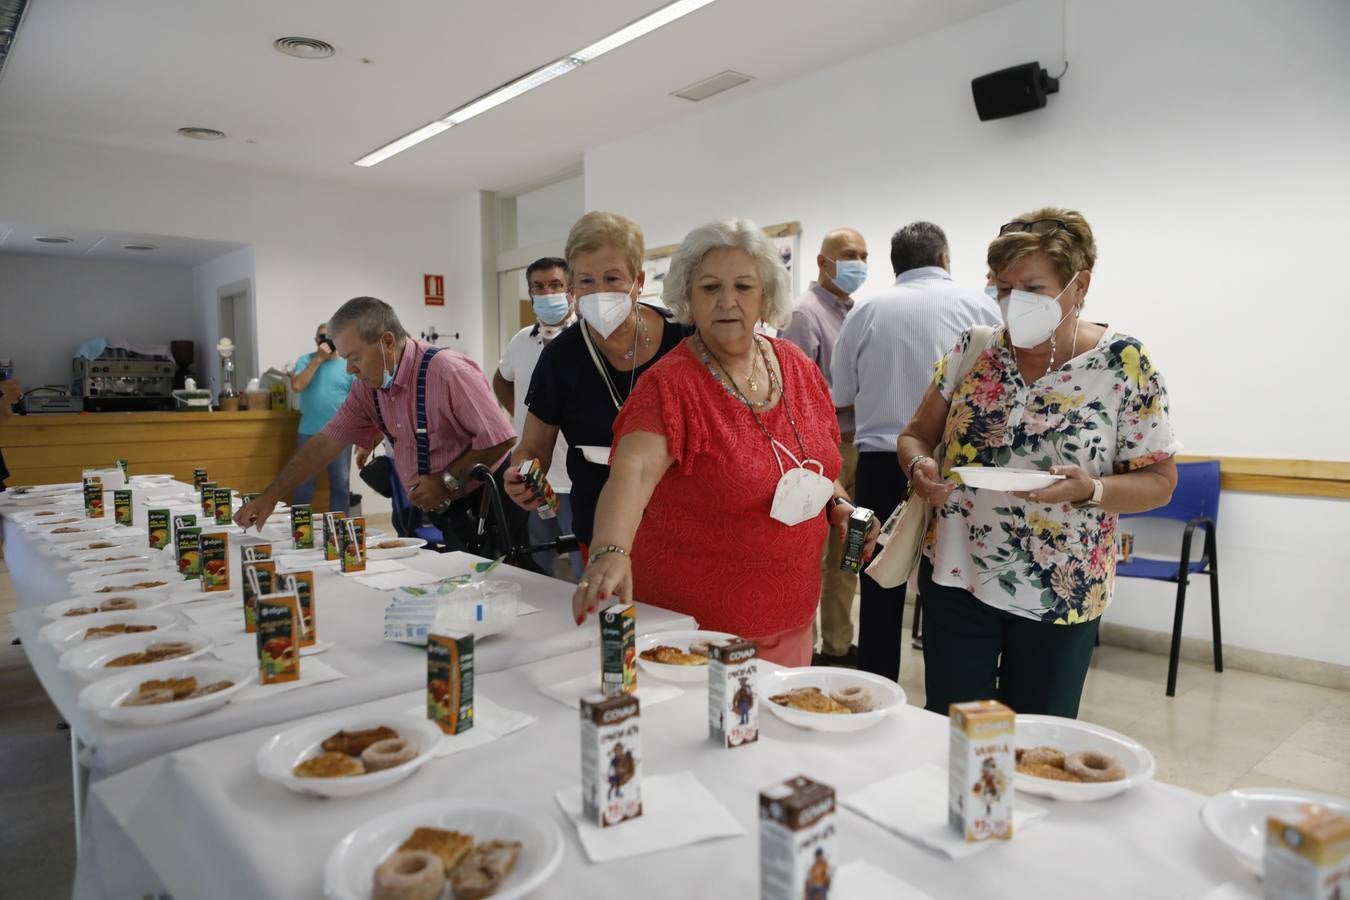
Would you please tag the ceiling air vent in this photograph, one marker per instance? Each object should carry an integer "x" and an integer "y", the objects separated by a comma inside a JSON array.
[
  {"x": 201, "y": 134},
  {"x": 304, "y": 48},
  {"x": 141, "y": 247},
  {"x": 11, "y": 14},
  {"x": 53, "y": 239},
  {"x": 702, "y": 90}
]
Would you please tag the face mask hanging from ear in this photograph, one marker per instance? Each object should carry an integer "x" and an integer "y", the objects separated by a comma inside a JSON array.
[
  {"x": 801, "y": 493},
  {"x": 388, "y": 373}
]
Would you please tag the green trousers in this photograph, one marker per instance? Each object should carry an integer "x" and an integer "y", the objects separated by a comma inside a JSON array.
[{"x": 972, "y": 651}]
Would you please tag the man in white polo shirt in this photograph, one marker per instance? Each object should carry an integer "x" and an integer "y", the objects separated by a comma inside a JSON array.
[
  {"x": 882, "y": 364},
  {"x": 547, "y": 281}
]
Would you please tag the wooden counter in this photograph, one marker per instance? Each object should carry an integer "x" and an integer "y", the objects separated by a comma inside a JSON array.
[{"x": 241, "y": 450}]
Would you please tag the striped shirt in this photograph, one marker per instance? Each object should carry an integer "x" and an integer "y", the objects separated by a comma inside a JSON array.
[
  {"x": 817, "y": 318},
  {"x": 883, "y": 361},
  {"x": 462, "y": 413}
]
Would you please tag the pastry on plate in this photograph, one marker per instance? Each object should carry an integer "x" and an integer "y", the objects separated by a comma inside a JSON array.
[
  {"x": 673, "y": 656},
  {"x": 857, "y": 697},
  {"x": 484, "y": 869},
  {"x": 354, "y": 743},
  {"x": 181, "y": 687},
  {"x": 409, "y": 875},
  {"x": 329, "y": 765},
  {"x": 810, "y": 699},
  {"x": 142, "y": 697},
  {"x": 168, "y": 650},
  {"x": 128, "y": 659},
  {"x": 81, "y": 611},
  {"x": 117, "y": 604},
  {"x": 214, "y": 687},
  {"x": 450, "y": 846},
  {"x": 387, "y": 754}
]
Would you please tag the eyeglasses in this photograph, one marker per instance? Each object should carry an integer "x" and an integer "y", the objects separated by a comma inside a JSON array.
[{"x": 1040, "y": 226}]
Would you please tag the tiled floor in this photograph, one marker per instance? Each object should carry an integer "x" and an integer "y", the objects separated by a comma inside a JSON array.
[{"x": 1234, "y": 729}]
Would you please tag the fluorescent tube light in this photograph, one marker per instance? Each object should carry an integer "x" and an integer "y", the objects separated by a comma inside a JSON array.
[{"x": 631, "y": 32}]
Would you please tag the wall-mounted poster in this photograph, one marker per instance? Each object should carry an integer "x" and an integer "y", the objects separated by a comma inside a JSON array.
[{"x": 786, "y": 237}]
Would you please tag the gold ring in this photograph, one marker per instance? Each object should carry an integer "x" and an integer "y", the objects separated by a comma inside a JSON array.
[{"x": 583, "y": 584}]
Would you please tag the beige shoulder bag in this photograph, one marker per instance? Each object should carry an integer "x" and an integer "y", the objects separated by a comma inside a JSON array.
[{"x": 901, "y": 539}]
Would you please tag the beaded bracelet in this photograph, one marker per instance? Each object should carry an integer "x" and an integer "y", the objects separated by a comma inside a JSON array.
[{"x": 607, "y": 549}]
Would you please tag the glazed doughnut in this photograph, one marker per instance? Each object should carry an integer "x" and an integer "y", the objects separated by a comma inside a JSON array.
[
  {"x": 701, "y": 648},
  {"x": 409, "y": 875},
  {"x": 1093, "y": 765},
  {"x": 388, "y": 753},
  {"x": 1045, "y": 756},
  {"x": 1045, "y": 770},
  {"x": 856, "y": 697}
]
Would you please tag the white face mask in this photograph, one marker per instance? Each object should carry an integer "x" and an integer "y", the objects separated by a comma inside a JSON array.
[
  {"x": 801, "y": 493},
  {"x": 1032, "y": 318},
  {"x": 606, "y": 310}
]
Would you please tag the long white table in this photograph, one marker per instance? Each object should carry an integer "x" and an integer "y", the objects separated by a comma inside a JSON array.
[{"x": 207, "y": 825}]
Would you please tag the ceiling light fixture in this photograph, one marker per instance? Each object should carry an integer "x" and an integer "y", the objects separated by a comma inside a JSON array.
[
  {"x": 140, "y": 247},
  {"x": 303, "y": 47},
  {"x": 53, "y": 239},
  {"x": 544, "y": 74},
  {"x": 201, "y": 134}
]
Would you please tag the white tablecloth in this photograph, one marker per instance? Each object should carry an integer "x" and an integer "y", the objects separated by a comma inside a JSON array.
[{"x": 211, "y": 827}]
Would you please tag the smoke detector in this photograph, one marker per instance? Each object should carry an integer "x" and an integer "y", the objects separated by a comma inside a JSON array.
[
  {"x": 201, "y": 134},
  {"x": 702, "y": 90},
  {"x": 304, "y": 48},
  {"x": 54, "y": 239}
]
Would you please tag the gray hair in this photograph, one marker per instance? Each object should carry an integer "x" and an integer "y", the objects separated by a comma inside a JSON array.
[
  {"x": 916, "y": 245},
  {"x": 741, "y": 234},
  {"x": 370, "y": 317}
]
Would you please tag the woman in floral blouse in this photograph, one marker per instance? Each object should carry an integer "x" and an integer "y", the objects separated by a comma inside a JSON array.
[{"x": 1014, "y": 585}]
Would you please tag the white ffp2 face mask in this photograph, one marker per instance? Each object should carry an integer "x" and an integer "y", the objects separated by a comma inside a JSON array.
[
  {"x": 606, "y": 310},
  {"x": 801, "y": 493},
  {"x": 1032, "y": 318}
]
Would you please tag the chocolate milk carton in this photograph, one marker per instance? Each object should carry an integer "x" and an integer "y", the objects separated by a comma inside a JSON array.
[
  {"x": 618, "y": 649},
  {"x": 1307, "y": 857},
  {"x": 980, "y": 770},
  {"x": 611, "y": 759},
  {"x": 797, "y": 856},
  {"x": 733, "y": 698}
]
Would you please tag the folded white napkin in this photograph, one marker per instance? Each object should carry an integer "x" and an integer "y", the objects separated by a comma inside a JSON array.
[
  {"x": 490, "y": 722},
  {"x": 860, "y": 880},
  {"x": 570, "y": 692},
  {"x": 913, "y": 804},
  {"x": 1233, "y": 891},
  {"x": 676, "y": 810},
  {"x": 390, "y": 581},
  {"x": 312, "y": 671},
  {"x": 213, "y": 613},
  {"x": 374, "y": 567},
  {"x": 241, "y": 649}
]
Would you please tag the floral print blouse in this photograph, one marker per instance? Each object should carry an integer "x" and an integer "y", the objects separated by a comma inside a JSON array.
[{"x": 1104, "y": 411}]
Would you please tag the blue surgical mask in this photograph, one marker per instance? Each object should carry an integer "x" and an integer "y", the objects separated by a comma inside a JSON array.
[
  {"x": 849, "y": 274},
  {"x": 388, "y": 374},
  {"x": 550, "y": 308}
]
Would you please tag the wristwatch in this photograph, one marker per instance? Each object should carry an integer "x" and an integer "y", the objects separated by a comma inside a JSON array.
[
  {"x": 452, "y": 484},
  {"x": 1096, "y": 499}
]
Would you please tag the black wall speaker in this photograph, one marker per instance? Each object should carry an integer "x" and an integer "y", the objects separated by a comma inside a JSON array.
[{"x": 1011, "y": 91}]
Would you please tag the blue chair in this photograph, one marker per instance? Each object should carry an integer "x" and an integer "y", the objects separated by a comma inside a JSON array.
[
  {"x": 1195, "y": 502},
  {"x": 408, "y": 518}
]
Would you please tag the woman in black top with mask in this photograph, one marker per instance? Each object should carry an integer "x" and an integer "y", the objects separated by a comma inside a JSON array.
[{"x": 585, "y": 374}]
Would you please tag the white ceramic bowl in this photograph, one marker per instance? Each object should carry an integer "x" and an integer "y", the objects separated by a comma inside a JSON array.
[
  {"x": 1071, "y": 735},
  {"x": 89, "y": 661},
  {"x": 1237, "y": 819},
  {"x": 681, "y": 639},
  {"x": 168, "y": 578},
  {"x": 350, "y": 870},
  {"x": 65, "y": 633},
  {"x": 104, "y": 697},
  {"x": 408, "y": 546},
  {"x": 597, "y": 455},
  {"x": 278, "y": 756},
  {"x": 886, "y": 695},
  {"x": 992, "y": 478},
  {"x": 144, "y": 600}
]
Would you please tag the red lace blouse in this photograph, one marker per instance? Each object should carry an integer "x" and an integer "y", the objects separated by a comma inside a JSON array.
[{"x": 707, "y": 546}]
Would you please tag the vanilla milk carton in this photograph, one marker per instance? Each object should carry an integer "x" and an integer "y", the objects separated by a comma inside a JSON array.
[{"x": 980, "y": 770}]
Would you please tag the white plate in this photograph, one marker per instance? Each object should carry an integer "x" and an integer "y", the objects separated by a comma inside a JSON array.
[
  {"x": 75, "y": 548},
  {"x": 410, "y": 546},
  {"x": 140, "y": 568},
  {"x": 114, "y": 556},
  {"x": 886, "y": 694},
  {"x": 681, "y": 639},
  {"x": 48, "y": 500},
  {"x": 350, "y": 870},
  {"x": 96, "y": 586},
  {"x": 151, "y": 480},
  {"x": 279, "y": 754},
  {"x": 48, "y": 516},
  {"x": 40, "y": 489},
  {"x": 593, "y": 454},
  {"x": 103, "y": 698},
  {"x": 993, "y": 478},
  {"x": 144, "y": 600},
  {"x": 89, "y": 660},
  {"x": 65, "y": 633},
  {"x": 77, "y": 529},
  {"x": 1237, "y": 819},
  {"x": 1071, "y": 735}
]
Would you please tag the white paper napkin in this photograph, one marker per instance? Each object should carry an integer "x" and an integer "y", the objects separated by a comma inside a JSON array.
[
  {"x": 375, "y": 567},
  {"x": 390, "y": 581},
  {"x": 860, "y": 880},
  {"x": 676, "y": 810},
  {"x": 490, "y": 722},
  {"x": 312, "y": 671},
  {"x": 214, "y": 613},
  {"x": 913, "y": 804},
  {"x": 570, "y": 692},
  {"x": 241, "y": 649},
  {"x": 1234, "y": 891}
]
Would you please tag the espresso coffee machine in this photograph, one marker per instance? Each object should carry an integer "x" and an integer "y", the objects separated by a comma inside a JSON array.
[{"x": 118, "y": 380}]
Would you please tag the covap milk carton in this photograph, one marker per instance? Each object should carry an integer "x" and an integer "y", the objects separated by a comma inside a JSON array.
[
  {"x": 611, "y": 759},
  {"x": 796, "y": 840},
  {"x": 733, "y": 701},
  {"x": 980, "y": 770}
]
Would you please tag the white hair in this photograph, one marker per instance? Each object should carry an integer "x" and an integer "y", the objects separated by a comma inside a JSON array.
[{"x": 741, "y": 234}]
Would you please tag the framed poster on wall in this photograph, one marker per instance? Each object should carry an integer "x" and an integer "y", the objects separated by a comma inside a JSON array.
[{"x": 787, "y": 237}]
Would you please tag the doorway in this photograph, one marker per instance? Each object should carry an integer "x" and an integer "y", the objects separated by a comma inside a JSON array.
[{"x": 236, "y": 323}]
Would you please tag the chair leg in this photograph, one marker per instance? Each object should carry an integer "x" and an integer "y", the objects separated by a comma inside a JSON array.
[
  {"x": 1175, "y": 656},
  {"x": 1214, "y": 599}
]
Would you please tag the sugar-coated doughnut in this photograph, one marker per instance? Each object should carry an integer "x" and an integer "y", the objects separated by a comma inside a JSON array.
[
  {"x": 856, "y": 697},
  {"x": 1046, "y": 756},
  {"x": 388, "y": 753},
  {"x": 1093, "y": 765},
  {"x": 409, "y": 875}
]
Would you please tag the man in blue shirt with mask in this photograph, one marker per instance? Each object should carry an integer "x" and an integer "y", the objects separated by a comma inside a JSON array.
[{"x": 323, "y": 383}]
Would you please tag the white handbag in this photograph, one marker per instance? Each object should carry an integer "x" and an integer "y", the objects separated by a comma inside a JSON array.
[{"x": 901, "y": 539}]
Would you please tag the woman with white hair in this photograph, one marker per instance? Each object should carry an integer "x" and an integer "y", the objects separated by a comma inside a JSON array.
[{"x": 722, "y": 485}]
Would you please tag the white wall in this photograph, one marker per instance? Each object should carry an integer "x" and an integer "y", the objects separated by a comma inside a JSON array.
[
  {"x": 1206, "y": 143},
  {"x": 207, "y": 280},
  {"x": 51, "y": 305},
  {"x": 547, "y": 214}
]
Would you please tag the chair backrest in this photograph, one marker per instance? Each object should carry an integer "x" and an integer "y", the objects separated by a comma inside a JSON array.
[{"x": 1196, "y": 494}]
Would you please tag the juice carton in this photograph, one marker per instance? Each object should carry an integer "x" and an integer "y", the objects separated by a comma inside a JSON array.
[
  {"x": 618, "y": 649},
  {"x": 302, "y": 585},
  {"x": 223, "y": 506},
  {"x": 208, "y": 497},
  {"x": 611, "y": 759},
  {"x": 122, "y": 507},
  {"x": 93, "y": 498},
  {"x": 733, "y": 701},
  {"x": 980, "y": 770},
  {"x": 259, "y": 577},
  {"x": 855, "y": 540},
  {"x": 215, "y": 549},
  {"x": 189, "y": 543},
  {"x": 332, "y": 534},
  {"x": 302, "y": 526},
  {"x": 797, "y": 854},
  {"x": 158, "y": 524},
  {"x": 450, "y": 681},
  {"x": 533, "y": 476},
  {"x": 278, "y": 633},
  {"x": 198, "y": 479},
  {"x": 125, "y": 466},
  {"x": 353, "y": 557}
]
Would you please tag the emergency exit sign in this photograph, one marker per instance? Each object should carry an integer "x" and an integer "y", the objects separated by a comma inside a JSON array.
[{"x": 434, "y": 289}]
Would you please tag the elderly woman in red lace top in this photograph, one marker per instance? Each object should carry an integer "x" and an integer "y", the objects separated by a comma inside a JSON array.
[{"x": 722, "y": 486}]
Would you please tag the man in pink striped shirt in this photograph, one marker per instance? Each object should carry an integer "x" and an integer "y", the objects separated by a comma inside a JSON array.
[{"x": 464, "y": 424}]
